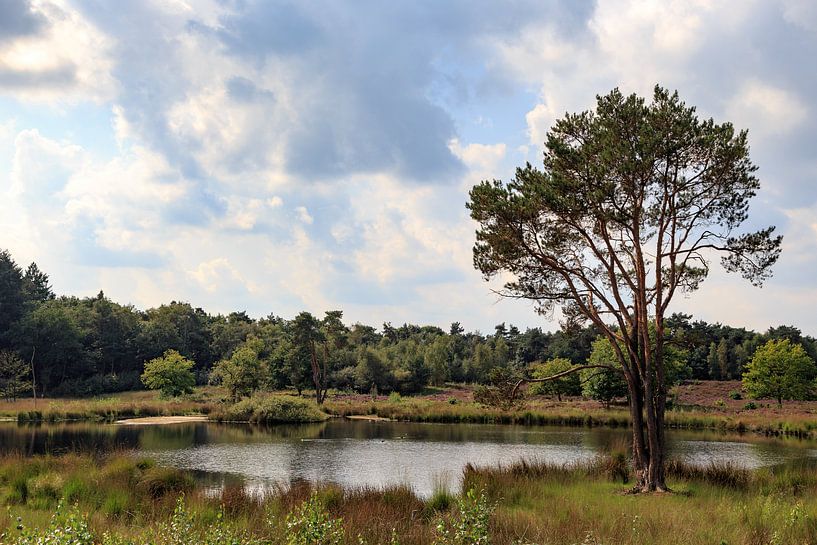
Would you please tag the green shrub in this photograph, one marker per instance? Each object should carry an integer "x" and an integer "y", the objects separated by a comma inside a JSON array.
[
  {"x": 734, "y": 394},
  {"x": 171, "y": 374},
  {"x": 272, "y": 409},
  {"x": 66, "y": 528},
  {"x": 469, "y": 526},
  {"x": 311, "y": 524},
  {"x": 751, "y": 406}
]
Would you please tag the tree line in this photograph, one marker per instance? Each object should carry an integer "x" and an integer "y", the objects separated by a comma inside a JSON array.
[{"x": 92, "y": 345}]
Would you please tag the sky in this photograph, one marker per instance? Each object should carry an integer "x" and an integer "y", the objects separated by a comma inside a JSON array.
[{"x": 274, "y": 156}]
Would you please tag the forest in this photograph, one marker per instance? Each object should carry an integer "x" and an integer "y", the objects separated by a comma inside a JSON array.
[{"x": 93, "y": 345}]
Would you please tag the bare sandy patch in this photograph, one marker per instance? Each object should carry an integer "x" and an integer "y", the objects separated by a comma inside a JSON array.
[
  {"x": 372, "y": 417},
  {"x": 159, "y": 420}
]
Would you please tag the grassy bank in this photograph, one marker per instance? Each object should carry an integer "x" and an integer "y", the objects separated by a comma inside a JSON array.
[
  {"x": 571, "y": 414},
  {"x": 700, "y": 406},
  {"x": 108, "y": 408},
  {"x": 122, "y": 500}
]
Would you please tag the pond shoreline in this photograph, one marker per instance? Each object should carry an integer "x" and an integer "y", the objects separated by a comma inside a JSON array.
[{"x": 162, "y": 420}]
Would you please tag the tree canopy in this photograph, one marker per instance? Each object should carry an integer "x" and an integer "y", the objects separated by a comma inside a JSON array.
[
  {"x": 633, "y": 201},
  {"x": 780, "y": 370},
  {"x": 171, "y": 374}
]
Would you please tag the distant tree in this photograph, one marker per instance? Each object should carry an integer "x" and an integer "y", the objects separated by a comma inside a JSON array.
[
  {"x": 51, "y": 336},
  {"x": 15, "y": 376},
  {"x": 436, "y": 360},
  {"x": 36, "y": 284},
  {"x": 780, "y": 370},
  {"x": 456, "y": 329},
  {"x": 723, "y": 358},
  {"x": 567, "y": 385},
  {"x": 242, "y": 373},
  {"x": 371, "y": 373},
  {"x": 171, "y": 374},
  {"x": 178, "y": 326},
  {"x": 713, "y": 363},
  {"x": 12, "y": 296},
  {"x": 360, "y": 334},
  {"x": 318, "y": 344},
  {"x": 502, "y": 382},
  {"x": 602, "y": 384},
  {"x": 228, "y": 333}
]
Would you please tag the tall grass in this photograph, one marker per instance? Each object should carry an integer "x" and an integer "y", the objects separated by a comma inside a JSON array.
[
  {"x": 129, "y": 405},
  {"x": 120, "y": 500}
]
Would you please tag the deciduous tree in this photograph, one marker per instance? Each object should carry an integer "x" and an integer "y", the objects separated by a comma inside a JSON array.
[
  {"x": 780, "y": 370},
  {"x": 171, "y": 373}
]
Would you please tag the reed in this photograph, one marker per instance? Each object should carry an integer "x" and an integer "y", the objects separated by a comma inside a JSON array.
[{"x": 135, "y": 501}]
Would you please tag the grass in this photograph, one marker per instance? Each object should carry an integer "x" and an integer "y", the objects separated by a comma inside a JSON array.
[
  {"x": 108, "y": 408},
  {"x": 137, "y": 502},
  {"x": 423, "y": 410}
]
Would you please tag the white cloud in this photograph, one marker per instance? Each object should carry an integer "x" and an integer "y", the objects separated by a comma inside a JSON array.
[
  {"x": 214, "y": 274},
  {"x": 482, "y": 158},
  {"x": 770, "y": 111},
  {"x": 210, "y": 130},
  {"x": 68, "y": 61},
  {"x": 303, "y": 215}
]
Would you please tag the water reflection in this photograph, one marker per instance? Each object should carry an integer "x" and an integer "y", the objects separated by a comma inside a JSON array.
[{"x": 361, "y": 453}]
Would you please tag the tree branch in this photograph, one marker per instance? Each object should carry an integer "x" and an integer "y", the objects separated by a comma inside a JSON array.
[{"x": 560, "y": 375}]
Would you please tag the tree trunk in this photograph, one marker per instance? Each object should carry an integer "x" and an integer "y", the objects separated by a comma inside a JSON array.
[
  {"x": 649, "y": 447},
  {"x": 649, "y": 442}
]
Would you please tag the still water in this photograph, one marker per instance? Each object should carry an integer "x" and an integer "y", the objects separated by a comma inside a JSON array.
[{"x": 362, "y": 453}]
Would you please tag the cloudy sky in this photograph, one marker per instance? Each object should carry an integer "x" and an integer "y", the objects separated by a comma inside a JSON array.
[{"x": 278, "y": 156}]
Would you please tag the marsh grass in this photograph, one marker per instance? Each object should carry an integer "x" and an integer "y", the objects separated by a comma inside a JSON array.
[
  {"x": 109, "y": 408},
  {"x": 566, "y": 414},
  {"x": 135, "y": 501}
]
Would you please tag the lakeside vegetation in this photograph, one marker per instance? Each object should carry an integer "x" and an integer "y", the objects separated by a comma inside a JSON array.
[
  {"x": 701, "y": 406},
  {"x": 117, "y": 499}
]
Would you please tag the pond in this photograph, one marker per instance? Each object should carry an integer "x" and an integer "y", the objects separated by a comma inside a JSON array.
[{"x": 366, "y": 453}]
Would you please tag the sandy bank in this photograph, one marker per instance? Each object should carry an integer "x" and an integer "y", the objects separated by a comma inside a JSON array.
[{"x": 156, "y": 420}]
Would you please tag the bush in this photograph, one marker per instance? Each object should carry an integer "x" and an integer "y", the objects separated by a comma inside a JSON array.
[
  {"x": 751, "y": 406},
  {"x": 66, "y": 528},
  {"x": 171, "y": 374},
  {"x": 469, "y": 526},
  {"x": 311, "y": 524},
  {"x": 734, "y": 394},
  {"x": 272, "y": 409}
]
